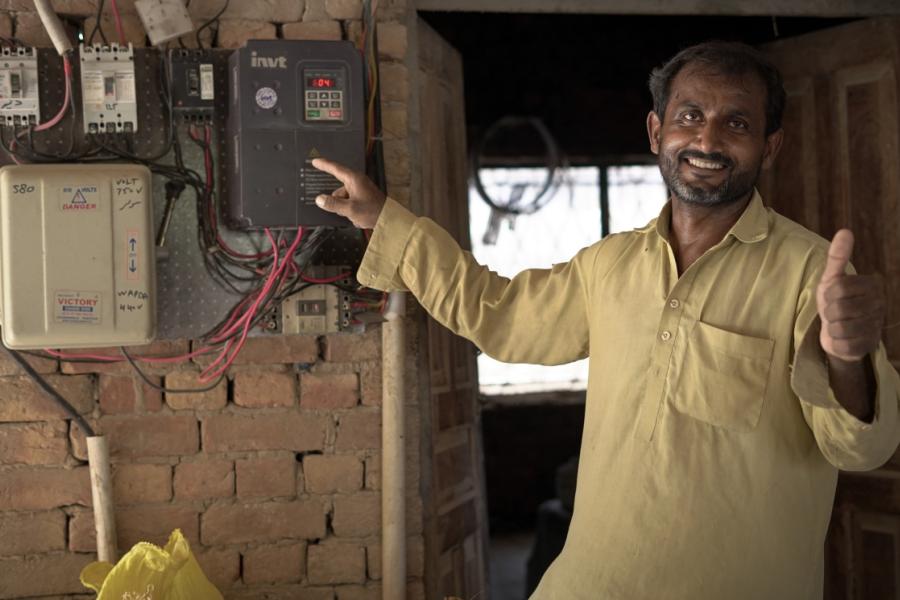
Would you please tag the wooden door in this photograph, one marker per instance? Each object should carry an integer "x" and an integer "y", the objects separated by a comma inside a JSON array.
[
  {"x": 455, "y": 548},
  {"x": 840, "y": 167}
]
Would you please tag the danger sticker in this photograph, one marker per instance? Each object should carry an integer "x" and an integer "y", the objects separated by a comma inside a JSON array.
[
  {"x": 77, "y": 307},
  {"x": 78, "y": 198}
]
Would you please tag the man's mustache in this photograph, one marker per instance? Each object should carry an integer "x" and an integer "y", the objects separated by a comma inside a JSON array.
[{"x": 712, "y": 157}]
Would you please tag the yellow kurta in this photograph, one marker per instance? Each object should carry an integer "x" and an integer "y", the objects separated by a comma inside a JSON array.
[{"x": 711, "y": 438}]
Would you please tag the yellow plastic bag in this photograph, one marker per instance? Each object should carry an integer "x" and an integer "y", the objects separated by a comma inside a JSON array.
[{"x": 148, "y": 572}]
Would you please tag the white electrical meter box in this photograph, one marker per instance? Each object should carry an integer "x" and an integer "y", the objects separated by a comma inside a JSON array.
[{"x": 77, "y": 263}]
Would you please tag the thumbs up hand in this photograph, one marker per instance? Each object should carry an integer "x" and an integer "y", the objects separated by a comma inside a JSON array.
[{"x": 851, "y": 307}]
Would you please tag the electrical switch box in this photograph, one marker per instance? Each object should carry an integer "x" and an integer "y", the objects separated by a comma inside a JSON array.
[
  {"x": 319, "y": 308},
  {"x": 77, "y": 264},
  {"x": 164, "y": 19},
  {"x": 192, "y": 80},
  {"x": 291, "y": 101},
  {"x": 19, "y": 99},
  {"x": 107, "y": 89}
]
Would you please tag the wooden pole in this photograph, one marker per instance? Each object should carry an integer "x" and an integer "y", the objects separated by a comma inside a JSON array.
[{"x": 101, "y": 493}]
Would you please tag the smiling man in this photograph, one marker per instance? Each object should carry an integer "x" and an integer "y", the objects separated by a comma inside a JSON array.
[{"x": 736, "y": 361}]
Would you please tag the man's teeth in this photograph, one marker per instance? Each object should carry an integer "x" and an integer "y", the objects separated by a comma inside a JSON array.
[{"x": 705, "y": 164}]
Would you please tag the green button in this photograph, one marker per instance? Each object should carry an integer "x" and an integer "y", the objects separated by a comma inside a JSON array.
[{"x": 312, "y": 114}]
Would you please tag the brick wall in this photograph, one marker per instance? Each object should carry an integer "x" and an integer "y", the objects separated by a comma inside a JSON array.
[{"x": 273, "y": 476}]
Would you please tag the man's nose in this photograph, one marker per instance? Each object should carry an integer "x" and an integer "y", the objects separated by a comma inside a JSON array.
[{"x": 709, "y": 139}]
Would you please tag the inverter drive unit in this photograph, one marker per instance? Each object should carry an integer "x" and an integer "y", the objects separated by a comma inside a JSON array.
[
  {"x": 291, "y": 101},
  {"x": 77, "y": 263}
]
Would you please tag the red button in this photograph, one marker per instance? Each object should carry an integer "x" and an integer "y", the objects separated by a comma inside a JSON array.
[{"x": 334, "y": 113}]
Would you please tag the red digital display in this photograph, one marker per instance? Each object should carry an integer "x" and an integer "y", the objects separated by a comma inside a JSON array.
[{"x": 321, "y": 82}]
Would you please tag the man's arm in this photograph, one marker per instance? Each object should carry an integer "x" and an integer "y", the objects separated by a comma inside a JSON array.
[
  {"x": 539, "y": 316},
  {"x": 848, "y": 390}
]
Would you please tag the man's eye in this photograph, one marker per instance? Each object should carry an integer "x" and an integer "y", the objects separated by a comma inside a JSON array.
[
  {"x": 739, "y": 124},
  {"x": 691, "y": 116}
]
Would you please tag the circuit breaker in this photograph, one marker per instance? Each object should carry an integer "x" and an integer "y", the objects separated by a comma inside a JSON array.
[
  {"x": 291, "y": 101},
  {"x": 192, "y": 83},
  {"x": 76, "y": 256},
  {"x": 108, "y": 97},
  {"x": 19, "y": 98}
]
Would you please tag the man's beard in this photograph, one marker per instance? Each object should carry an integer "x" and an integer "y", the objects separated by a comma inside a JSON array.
[{"x": 737, "y": 186}]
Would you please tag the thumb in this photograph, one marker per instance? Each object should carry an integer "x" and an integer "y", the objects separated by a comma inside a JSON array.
[
  {"x": 340, "y": 206},
  {"x": 839, "y": 253}
]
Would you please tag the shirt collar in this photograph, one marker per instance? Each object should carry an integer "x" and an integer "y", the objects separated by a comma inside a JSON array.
[{"x": 752, "y": 226}]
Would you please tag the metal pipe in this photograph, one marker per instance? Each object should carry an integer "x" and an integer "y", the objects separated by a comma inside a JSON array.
[
  {"x": 101, "y": 493},
  {"x": 393, "y": 451}
]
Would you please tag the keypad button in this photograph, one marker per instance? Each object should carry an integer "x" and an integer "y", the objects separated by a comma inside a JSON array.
[
  {"x": 335, "y": 94},
  {"x": 313, "y": 104},
  {"x": 335, "y": 104},
  {"x": 334, "y": 114},
  {"x": 311, "y": 95},
  {"x": 323, "y": 94},
  {"x": 312, "y": 114}
]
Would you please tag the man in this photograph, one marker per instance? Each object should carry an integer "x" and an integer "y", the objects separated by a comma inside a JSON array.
[{"x": 735, "y": 360}]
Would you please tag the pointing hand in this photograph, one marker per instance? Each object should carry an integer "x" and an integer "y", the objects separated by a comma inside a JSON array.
[{"x": 358, "y": 198}]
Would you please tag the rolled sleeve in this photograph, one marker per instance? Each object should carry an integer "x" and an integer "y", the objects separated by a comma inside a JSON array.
[{"x": 379, "y": 267}]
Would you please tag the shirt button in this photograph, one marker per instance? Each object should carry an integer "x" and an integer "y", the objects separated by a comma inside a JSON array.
[
  {"x": 665, "y": 336},
  {"x": 674, "y": 303}
]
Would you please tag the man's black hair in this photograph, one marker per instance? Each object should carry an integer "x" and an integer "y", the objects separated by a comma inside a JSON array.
[{"x": 725, "y": 58}]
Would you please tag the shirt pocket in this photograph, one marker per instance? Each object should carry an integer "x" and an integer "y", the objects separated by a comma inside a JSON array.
[{"x": 724, "y": 377}]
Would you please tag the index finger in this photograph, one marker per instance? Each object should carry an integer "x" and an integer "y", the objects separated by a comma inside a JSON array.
[
  {"x": 839, "y": 253},
  {"x": 342, "y": 173}
]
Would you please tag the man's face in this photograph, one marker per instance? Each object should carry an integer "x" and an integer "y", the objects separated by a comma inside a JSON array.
[{"x": 712, "y": 143}]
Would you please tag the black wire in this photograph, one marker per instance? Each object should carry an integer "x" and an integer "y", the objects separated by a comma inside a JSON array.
[
  {"x": 48, "y": 389},
  {"x": 161, "y": 388},
  {"x": 215, "y": 19},
  {"x": 97, "y": 27}
]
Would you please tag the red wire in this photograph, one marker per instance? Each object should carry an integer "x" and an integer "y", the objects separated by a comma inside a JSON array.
[
  {"x": 309, "y": 279},
  {"x": 118, "y": 17},
  {"x": 67, "y": 70}
]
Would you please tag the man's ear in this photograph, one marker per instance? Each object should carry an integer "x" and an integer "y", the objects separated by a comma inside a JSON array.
[
  {"x": 654, "y": 124},
  {"x": 773, "y": 145}
]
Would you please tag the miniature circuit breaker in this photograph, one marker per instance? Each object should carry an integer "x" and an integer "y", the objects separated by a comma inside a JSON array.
[
  {"x": 192, "y": 83},
  {"x": 108, "y": 89},
  {"x": 319, "y": 308},
  {"x": 77, "y": 256},
  {"x": 19, "y": 99}
]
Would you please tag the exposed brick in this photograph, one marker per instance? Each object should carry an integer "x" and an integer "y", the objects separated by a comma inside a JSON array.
[
  {"x": 267, "y": 477},
  {"x": 271, "y": 350},
  {"x": 32, "y": 533},
  {"x": 394, "y": 82},
  {"x": 371, "y": 591},
  {"x": 39, "y": 489},
  {"x": 312, "y": 30},
  {"x": 144, "y": 436},
  {"x": 275, "y": 564},
  {"x": 123, "y": 395},
  {"x": 397, "y": 166},
  {"x": 358, "y": 515},
  {"x": 325, "y": 474},
  {"x": 142, "y": 484},
  {"x": 30, "y": 30},
  {"x": 7, "y": 365},
  {"x": 336, "y": 562},
  {"x": 315, "y": 11},
  {"x": 415, "y": 558},
  {"x": 285, "y": 591},
  {"x": 222, "y": 566},
  {"x": 271, "y": 431},
  {"x": 341, "y": 347},
  {"x": 268, "y": 522},
  {"x": 42, "y": 443},
  {"x": 22, "y": 400},
  {"x": 392, "y": 42},
  {"x": 234, "y": 33},
  {"x": 204, "y": 479},
  {"x": 395, "y": 122},
  {"x": 329, "y": 390},
  {"x": 344, "y": 9},
  {"x": 277, "y": 11},
  {"x": 370, "y": 385},
  {"x": 256, "y": 389},
  {"x": 6, "y": 30},
  {"x": 132, "y": 28},
  {"x": 213, "y": 399},
  {"x": 151, "y": 523},
  {"x": 157, "y": 348},
  {"x": 373, "y": 472},
  {"x": 42, "y": 575},
  {"x": 359, "y": 429}
]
